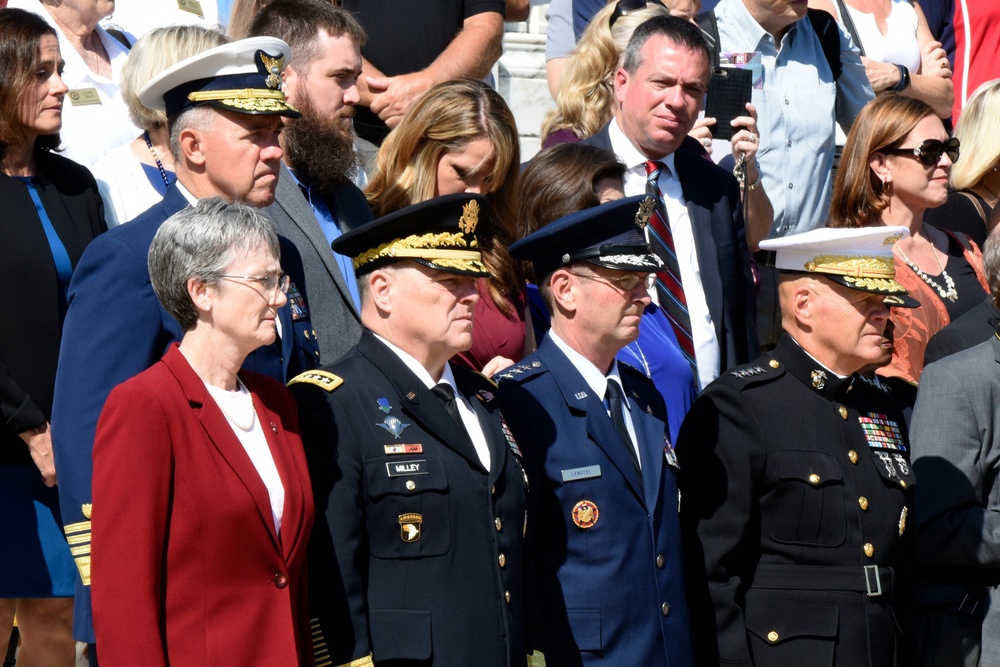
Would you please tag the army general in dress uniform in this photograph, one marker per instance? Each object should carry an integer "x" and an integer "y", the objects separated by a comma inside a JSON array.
[
  {"x": 796, "y": 479},
  {"x": 605, "y": 537},
  {"x": 419, "y": 558}
]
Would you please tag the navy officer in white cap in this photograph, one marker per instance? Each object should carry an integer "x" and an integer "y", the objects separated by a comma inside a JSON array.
[
  {"x": 224, "y": 109},
  {"x": 604, "y": 528},
  {"x": 795, "y": 473}
]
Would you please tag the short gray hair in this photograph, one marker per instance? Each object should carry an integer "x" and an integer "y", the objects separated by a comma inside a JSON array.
[
  {"x": 199, "y": 118},
  {"x": 200, "y": 242}
]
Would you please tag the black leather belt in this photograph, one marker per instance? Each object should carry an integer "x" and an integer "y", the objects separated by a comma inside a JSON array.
[{"x": 869, "y": 579}]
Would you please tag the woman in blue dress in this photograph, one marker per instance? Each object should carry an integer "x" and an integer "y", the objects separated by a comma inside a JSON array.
[
  {"x": 566, "y": 178},
  {"x": 50, "y": 212}
]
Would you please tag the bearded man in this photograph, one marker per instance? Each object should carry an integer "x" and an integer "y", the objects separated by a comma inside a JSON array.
[{"x": 317, "y": 199}]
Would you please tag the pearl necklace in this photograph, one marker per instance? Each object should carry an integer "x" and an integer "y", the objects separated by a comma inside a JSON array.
[
  {"x": 242, "y": 425},
  {"x": 159, "y": 165},
  {"x": 950, "y": 293}
]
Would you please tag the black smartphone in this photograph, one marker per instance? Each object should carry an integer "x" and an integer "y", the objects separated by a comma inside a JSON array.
[{"x": 729, "y": 91}]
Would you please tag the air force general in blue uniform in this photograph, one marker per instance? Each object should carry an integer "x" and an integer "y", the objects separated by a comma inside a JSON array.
[{"x": 604, "y": 534}]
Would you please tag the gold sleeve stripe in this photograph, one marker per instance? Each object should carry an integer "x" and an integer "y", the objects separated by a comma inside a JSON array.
[
  {"x": 82, "y": 550},
  {"x": 78, "y": 539},
  {"x": 77, "y": 527},
  {"x": 83, "y": 564},
  {"x": 360, "y": 662}
]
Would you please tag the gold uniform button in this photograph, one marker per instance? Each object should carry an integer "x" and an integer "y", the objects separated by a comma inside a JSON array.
[
  {"x": 843, "y": 412},
  {"x": 493, "y": 491},
  {"x": 774, "y": 363},
  {"x": 502, "y": 560},
  {"x": 498, "y": 524},
  {"x": 853, "y": 456},
  {"x": 660, "y": 561},
  {"x": 869, "y": 549},
  {"x": 902, "y": 483},
  {"x": 665, "y": 609},
  {"x": 814, "y": 478},
  {"x": 772, "y": 636},
  {"x": 506, "y": 596},
  {"x": 863, "y": 502},
  {"x": 410, "y": 485}
]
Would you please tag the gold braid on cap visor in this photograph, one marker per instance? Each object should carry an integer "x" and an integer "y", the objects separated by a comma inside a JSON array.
[
  {"x": 248, "y": 99},
  {"x": 869, "y": 273},
  {"x": 431, "y": 247}
]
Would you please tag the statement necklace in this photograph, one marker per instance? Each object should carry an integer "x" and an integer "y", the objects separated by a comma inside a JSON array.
[
  {"x": 246, "y": 424},
  {"x": 950, "y": 293},
  {"x": 156, "y": 158}
]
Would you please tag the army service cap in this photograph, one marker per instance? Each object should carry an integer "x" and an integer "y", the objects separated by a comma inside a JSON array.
[
  {"x": 242, "y": 76},
  {"x": 859, "y": 258},
  {"x": 438, "y": 233}
]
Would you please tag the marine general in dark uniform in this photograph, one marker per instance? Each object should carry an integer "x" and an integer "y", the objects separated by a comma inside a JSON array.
[
  {"x": 605, "y": 538},
  {"x": 419, "y": 559},
  {"x": 796, "y": 479}
]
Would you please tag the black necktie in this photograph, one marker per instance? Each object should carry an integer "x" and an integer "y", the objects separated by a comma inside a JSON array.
[
  {"x": 616, "y": 406},
  {"x": 445, "y": 392}
]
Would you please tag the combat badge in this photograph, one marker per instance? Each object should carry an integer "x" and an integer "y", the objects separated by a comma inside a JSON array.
[
  {"x": 585, "y": 514},
  {"x": 409, "y": 526},
  {"x": 393, "y": 425},
  {"x": 383, "y": 405}
]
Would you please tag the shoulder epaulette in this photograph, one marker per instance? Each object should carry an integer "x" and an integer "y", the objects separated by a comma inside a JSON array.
[
  {"x": 485, "y": 377},
  {"x": 322, "y": 379},
  {"x": 513, "y": 372},
  {"x": 761, "y": 371}
]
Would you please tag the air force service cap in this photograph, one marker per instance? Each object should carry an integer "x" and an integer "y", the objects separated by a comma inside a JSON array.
[
  {"x": 438, "y": 233},
  {"x": 859, "y": 258},
  {"x": 611, "y": 235},
  {"x": 242, "y": 76}
]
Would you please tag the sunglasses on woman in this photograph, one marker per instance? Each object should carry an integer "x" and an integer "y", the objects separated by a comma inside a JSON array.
[
  {"x": 625, "y": 7},
  {"x": 929, "y": 152}
]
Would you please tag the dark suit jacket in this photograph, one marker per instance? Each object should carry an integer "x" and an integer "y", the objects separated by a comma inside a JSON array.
[
  {"x": 116, "y": 328},
  {"x": 188, "y": 567},
  {"x": 32, "y": 329},
  {"x": 970, "y": 329},
  {"x": 600, "y": 590},
  {"x": 713, "y": 203},
  {"x": 334, "y": 318},
  {"x": 448, "y": 594}
]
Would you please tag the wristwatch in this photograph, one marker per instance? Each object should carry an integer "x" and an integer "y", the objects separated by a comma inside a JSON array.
[{"x": 904, "y": 79}]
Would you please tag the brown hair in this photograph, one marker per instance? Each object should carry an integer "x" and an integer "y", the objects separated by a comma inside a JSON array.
[
  {"x": 298, "y": 23},
  {"x": 21, "y": 34},
  {"x": 443, "y": 120},
  {"x": 859, "y": 197}
]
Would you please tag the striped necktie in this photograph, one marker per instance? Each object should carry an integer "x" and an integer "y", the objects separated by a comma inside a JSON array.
[{"x": 669, "y": 288}]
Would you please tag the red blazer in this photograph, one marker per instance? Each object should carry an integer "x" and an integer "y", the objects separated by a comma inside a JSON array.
[{"x": 186, "y": 567}]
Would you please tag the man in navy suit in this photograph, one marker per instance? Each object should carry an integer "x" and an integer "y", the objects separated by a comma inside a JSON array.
[
  {"x": 604, "y": 530},
  {"x": 224, "y": 146},
  {"x": 659, "y": 90}
]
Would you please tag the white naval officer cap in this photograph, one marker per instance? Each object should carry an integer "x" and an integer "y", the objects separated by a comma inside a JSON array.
[
  {"x": 859, "y": 258},
  {"x": 242, "y": 76}
]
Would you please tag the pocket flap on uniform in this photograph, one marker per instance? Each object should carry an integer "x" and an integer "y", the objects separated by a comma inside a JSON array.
[
  {"x": 814, "y": 468},
  {"x": 776, "y": 619},
  {"x": 404, "y": 475},
  {"x": 400, "y": 634}
]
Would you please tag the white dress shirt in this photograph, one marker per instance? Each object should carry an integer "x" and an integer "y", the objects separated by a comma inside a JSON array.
[{"x": 706, "y": 346}]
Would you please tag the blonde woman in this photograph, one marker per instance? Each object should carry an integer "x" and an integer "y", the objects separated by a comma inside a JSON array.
[
  {"x": 975, "y": 179},
  {"x": 136, "y": 175},
  {"x": 460, "y": 136}
]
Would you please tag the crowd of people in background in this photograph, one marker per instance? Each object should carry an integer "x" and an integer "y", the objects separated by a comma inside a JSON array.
[{"x": 309, "y": 363}]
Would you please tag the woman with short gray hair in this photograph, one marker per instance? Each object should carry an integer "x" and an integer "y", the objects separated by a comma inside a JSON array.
[{"x": 201, "y": 494}]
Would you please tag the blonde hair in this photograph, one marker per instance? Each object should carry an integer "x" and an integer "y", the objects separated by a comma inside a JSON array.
[
  {"x": 977, "y": 132},
  {"x": 155, "y": 52},
  {"x": 443, "y": 120},
  {"x": 585, "y": 99}
]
